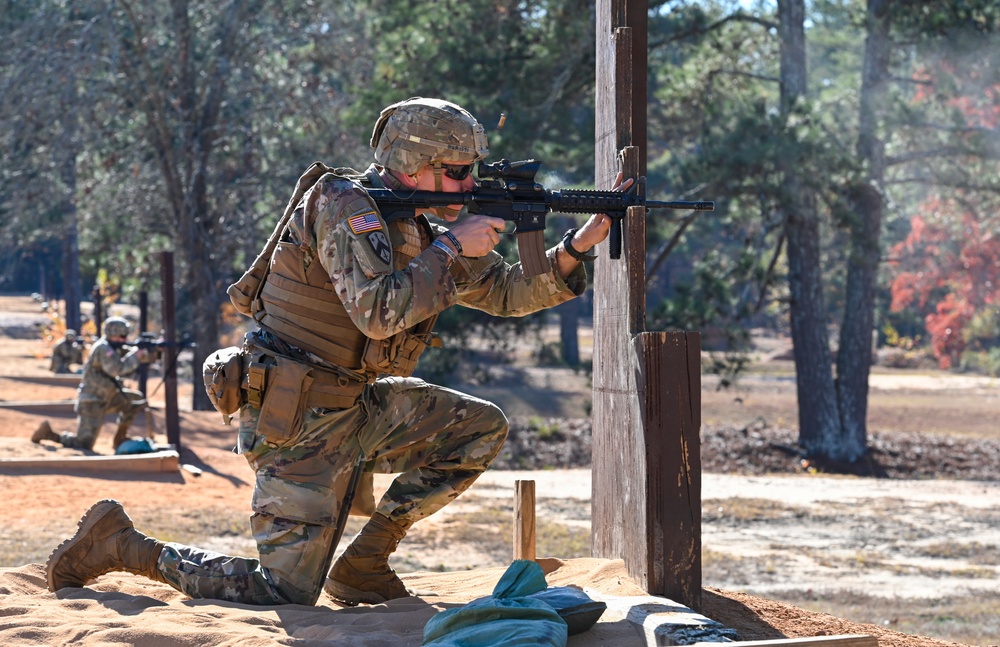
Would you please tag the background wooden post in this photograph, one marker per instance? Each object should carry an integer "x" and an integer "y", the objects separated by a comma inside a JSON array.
[
  {"x": 646, "y": 499},
  {"x": 143, "y": 373},
  {"x": 170, "y": 352},
  {"x": 524, "y": 520},
  {"x": 98, "y": 315}
]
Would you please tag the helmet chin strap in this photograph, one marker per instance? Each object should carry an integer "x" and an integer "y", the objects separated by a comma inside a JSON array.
[
  {"x": 438, "y": 172},
  {"x": 442, "y": 212}
]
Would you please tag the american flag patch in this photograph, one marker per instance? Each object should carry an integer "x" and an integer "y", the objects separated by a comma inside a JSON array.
[{"x": 364, "y": 222}]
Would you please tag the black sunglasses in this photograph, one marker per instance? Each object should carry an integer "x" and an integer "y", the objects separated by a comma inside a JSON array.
[{"x": 457, "y": 173}]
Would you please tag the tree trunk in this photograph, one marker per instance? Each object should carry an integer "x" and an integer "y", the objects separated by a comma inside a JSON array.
[
  {"x": 70, "y": 245},
  {"x": 854, "y": 357},
  {"x": 819, "y": 423},
  {"x": 71, "y": 265},
  {"x": 196, "y": 224},
  {"x": 206, "y": 324},
  {"x": 201, "y": 275}
]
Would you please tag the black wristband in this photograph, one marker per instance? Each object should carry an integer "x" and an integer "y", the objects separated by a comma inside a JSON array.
[
  {"x": 567, "y": 243},
  {"x": 454, "y": 241}
]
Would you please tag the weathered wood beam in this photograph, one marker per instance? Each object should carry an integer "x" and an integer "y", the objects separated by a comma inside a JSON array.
[{"x": 646, "y": 488}]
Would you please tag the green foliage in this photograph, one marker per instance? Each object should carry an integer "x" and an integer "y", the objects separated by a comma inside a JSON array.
[
  {"x": 982, "y": 361},
  {"x": 537, "y": 68},
  {"x": 716, "y": 131},
  {"x": 304, "y": 80},
  {"x": 546, "y": 429}
]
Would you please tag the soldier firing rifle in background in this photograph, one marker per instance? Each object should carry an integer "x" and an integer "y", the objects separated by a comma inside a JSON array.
[{"x": 101, "y": 390}]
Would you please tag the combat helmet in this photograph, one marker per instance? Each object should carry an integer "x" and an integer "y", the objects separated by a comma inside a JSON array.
[
  {"x": 116, "y": 327},
  {"x": 420, "y": 131}
]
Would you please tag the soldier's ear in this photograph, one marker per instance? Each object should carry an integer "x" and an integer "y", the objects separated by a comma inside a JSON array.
[{"x": 408, "y": 181}]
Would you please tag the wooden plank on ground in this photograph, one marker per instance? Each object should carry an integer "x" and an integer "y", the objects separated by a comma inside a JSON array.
[
  {"x": 53, "y": 407},
  {"x": 56, "y": 379},
  {"x": 846, "y": 640},
  {"x": 661, "y": 621},
  {"x": 162, "y": 461}
]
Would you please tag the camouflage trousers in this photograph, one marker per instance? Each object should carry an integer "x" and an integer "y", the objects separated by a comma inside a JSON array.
[
  {"x": 90, "y": 417},
  {"x": 437, "y": 440}
]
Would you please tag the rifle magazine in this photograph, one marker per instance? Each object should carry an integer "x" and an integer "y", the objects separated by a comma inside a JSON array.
[{"x": 531, "y": 250}]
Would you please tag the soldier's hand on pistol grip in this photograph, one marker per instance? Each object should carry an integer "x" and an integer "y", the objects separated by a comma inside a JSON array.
[{"x": 477, "y": 234}]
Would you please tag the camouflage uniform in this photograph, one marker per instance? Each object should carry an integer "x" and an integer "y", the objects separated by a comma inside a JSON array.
[
  {"x": 101, "y": 392},
  {"x": 66, "y": 352},
  {"x": 389, "y": 278}
]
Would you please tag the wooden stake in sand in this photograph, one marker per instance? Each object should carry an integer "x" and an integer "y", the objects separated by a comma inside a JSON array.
[{"x": 524, "y": 520}]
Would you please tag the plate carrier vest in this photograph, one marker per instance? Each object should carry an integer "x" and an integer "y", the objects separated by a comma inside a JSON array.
[{"x": 301, "y": 308}]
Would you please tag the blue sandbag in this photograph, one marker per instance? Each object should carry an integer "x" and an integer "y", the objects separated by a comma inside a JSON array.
[
  {"x": 523, "y": 610},
  {"x": 136, "y": 446}
]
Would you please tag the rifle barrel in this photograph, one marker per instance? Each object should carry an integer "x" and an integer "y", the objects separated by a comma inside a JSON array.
[{"x": 700, "y": 205}]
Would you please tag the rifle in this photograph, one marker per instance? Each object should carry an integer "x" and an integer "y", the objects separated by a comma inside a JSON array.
[
  {"x": 149, "y": 341},
  {"x": 508, "y": 190}
]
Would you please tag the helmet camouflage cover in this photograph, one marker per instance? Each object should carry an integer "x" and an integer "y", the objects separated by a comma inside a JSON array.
[
  {"x": 419, "y": 131},
  {"x": 116, "y": 327}
]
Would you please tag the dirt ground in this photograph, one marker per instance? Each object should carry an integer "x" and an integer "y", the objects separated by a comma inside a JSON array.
[{"x": 771, "y": 524}]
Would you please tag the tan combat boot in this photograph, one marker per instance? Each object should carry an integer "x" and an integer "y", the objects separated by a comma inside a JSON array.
[
  {"x": 44, "y": 432},
  {"x": 362, "y": 574},
  {"x": 121, "y": 435},
  {"x": 106, "y": 541}
]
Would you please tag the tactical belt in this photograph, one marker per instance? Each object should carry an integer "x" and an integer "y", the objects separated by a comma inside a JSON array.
[{"x": 333, "y": 395}]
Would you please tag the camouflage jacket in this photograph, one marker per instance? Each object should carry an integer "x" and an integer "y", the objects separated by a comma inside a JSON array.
[
  {"x": 64, "y": 353},
  {"x": 103, "y": 371},
  {"x": 358, "y": 250}
]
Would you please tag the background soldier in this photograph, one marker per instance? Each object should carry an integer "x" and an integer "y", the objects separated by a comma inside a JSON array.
[
  {"x": 344, "y": 312},
  {"x": 101, "y": 390},
  {"x": 67, "y": 351}
]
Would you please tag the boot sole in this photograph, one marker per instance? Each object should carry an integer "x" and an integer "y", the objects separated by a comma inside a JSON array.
[
  {"x": 351, "y": 596},
  {"x": 87, "y": 522}
]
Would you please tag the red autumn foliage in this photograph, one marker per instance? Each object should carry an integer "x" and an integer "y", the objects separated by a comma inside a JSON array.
[
  {"x": 948, "y": 268},
  {"x": 947, "y": 273}
]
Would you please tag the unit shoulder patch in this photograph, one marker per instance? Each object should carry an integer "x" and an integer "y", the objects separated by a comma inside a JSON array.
[{"x": 380, "y": 245}]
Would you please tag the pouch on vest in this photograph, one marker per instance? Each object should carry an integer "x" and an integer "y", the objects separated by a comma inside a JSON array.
[
  {"x": 398, "y": 355},
  {"x": 286, "y": 385},
  {"x": 223, "y": 375}
]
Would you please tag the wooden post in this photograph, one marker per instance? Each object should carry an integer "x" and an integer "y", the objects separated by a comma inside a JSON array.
[
  {"x": 95, "y": 296},
  {"x": 170, "y": 352},
  {"x": 646, "y": 499},
  {"x": 143, "y": 378},
  {"x": 524, "y": 520}
]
